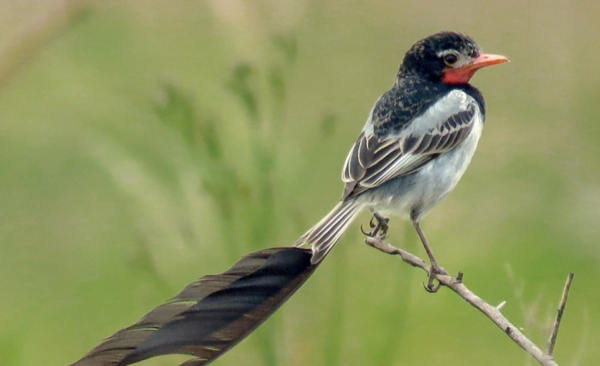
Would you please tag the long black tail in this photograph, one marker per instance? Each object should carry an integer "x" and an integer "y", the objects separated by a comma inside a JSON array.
[{"x": 211, "y": 315}]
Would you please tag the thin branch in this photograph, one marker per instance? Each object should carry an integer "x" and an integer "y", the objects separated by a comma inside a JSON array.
[
  {"x": 561, "y": 309},
  {"x": 456, "y": 285}
]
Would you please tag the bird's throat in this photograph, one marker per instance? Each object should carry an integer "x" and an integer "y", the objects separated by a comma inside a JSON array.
[{"x": 458, "y": 76}]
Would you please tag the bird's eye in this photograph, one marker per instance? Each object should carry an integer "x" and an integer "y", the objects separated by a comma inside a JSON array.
[{"x": 450, "y": 59}]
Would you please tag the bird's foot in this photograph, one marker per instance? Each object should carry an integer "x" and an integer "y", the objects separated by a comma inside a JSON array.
[
  {"x": 434, "y": 270},
  {"x": 379, "y": 227}
]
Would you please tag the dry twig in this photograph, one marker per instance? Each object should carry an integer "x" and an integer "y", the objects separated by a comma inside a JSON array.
[
  {"x": 493, "y": 313},
  {"x": 561, "y": 309}
]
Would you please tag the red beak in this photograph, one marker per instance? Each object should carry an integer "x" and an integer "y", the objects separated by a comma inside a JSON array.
[{"x": 463, "y": 74}]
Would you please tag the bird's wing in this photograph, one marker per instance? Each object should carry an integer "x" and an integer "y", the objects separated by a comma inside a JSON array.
[{"x": 374, "y": 160}]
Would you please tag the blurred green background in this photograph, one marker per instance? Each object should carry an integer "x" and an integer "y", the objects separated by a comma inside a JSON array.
[{"x": 146, "y": 143}]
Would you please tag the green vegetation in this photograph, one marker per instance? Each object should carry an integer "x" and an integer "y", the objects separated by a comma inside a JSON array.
[{"x": 145, "y": 145}]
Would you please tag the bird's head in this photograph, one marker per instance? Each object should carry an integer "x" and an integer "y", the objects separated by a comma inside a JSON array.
[{"x": 450, "y": 57}]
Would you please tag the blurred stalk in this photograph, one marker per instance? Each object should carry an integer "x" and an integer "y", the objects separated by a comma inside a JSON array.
[
  {"x": 265, "y": 132},
  {"x": 265, "y": 139},
  {"x": 396, "y": 314},
  {"x": 143, "y": 262},
  {"x": 39, "y": 34},
  {"x": 335, "y": 323},
  {"x": 287, "y": 46},
  {"x": 249, "y": 205},
  {"x": 218, "y": 177},
  {"x": 393, "y": 313}
]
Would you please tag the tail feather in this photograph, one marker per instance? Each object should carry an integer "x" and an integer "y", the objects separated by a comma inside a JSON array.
[
  {"x": 210, "y": 315},
  {"x": 328, "y": 231}
]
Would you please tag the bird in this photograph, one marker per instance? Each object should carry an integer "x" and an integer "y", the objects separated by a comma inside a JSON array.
[{"x": 417, "y": 142}]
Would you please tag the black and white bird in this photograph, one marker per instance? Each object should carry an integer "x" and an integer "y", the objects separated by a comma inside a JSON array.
[{"x": 417, "y": 143}]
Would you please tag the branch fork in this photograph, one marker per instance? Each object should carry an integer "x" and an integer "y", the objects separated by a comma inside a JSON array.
[{"x": 492, "y": 312}]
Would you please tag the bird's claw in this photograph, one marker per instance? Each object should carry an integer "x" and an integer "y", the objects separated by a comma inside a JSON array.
[
  {"x": 429, "y": 287},
  {"x": 367, "y": 233},
  {"x": 379, "y": 227},
  {"x": 372, "y": 225},
  {"x": 434, "y": 270}
]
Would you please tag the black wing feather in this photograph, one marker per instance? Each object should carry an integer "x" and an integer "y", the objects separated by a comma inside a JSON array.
[{"x": 373, "y": 161}]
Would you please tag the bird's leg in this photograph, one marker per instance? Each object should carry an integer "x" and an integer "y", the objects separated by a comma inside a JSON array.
[
  {"x": 379, "y": 226},
  {"x": 435, "y": 267}
]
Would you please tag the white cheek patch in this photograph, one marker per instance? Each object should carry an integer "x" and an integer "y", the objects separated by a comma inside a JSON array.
[{"x": 462, "y": 59}]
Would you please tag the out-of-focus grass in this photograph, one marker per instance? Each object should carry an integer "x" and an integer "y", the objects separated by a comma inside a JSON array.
[{"x": 151, "y": 144}]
